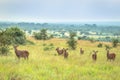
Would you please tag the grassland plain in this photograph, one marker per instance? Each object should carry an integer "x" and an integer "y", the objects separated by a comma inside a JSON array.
[{"x": 47, "y": 65}]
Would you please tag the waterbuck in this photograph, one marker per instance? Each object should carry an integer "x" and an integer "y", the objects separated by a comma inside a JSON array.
[{"x": 21, "y": 53}]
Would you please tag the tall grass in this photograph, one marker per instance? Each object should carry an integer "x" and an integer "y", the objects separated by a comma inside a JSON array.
[{"x": 44, "y": 65}]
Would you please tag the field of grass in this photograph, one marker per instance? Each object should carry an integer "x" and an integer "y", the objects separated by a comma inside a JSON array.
[{"x": 45, "y": 64}]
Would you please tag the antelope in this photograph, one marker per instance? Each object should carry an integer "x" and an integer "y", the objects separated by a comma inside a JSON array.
[
  {"x": 60, "y": 52},
  {"x": 81, "y": 51},
  {"x": 21, "y": 53},
  {"x": 65, "y": 53},
  {"x": 110, "y": 56},
  {"x": 94, "y": 55}
]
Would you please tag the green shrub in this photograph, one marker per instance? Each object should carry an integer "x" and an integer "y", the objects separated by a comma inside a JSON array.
[
  {"x": 115, "y": 42},
  {"x": 51, "y": 44},
  {"x": 4, "y": 50},
  {"x": 46, "y": 48},
  {"x": 44, "y": 44},
  {"x": 72, "y": 43},
  {"x": 100, "y": 45},
  {"x": 107, "y": 47}
]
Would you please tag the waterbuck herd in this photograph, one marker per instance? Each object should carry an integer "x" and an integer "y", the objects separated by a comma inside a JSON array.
[
  {"x": 110, "y": 56},
  {"x": 25, "y": 54}
]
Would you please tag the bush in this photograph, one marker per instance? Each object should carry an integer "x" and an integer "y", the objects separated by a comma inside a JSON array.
[
  {"x": 44, "y": 44},
  {"x": 72, "y": 42},
  {"x": 51, "y": 44},
  {"x": 49, "y": 47},
  {"x": 115, "y": 42},
  {"x": 100, "y": 45},
  {"x": 4, "y": 50},
  {"x": 107, "y": 47},
  {"x": 46, "y": 48}
]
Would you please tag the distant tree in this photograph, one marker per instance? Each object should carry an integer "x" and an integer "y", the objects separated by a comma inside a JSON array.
[
  {"x": 115, "y": 42},
  {"x": 92, "y": 40},
  {"x": 72, "y": 42},
  {"x": 37, "y": 36},
  {"x": 42, "y": 35}
]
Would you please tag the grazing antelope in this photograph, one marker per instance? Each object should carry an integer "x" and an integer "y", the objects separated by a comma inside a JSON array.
[
  {"x": 65, "y": 53},
  {"x": 21, "y": 53},
  {"x": 60, "y": 52},
  {"x": 94, "y": 55},
  {"x": 110, "y": 56},
  {"x": 81, "y": 51}
]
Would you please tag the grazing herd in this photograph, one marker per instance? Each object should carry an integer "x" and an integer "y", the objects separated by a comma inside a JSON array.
[
  {"x": 25, "y": 54},
  {"x": 62, "y": 52},
  {"x": 110, "y": 56}
]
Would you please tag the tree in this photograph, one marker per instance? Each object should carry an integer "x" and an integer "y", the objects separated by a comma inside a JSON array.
[
  {"x": 115, "y": 42},
  {"x": 92, "y": 40},
  {"x": 10, "y": 36},
  {"x": 42, "y": 35},
  {"x": 17, "y": 35},
  {"x": 5, "y": 41},
  {"x": 72, "y": 42}
]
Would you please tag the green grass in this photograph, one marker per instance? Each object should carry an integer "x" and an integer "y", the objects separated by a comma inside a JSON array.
[{"x": 47, "y": 65}]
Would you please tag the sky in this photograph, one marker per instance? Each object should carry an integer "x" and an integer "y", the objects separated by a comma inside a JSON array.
[{"x": 59, "y": 10}]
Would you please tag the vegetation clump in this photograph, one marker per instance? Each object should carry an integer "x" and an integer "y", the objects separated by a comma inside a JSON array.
[{"x": 71, "y": 41}]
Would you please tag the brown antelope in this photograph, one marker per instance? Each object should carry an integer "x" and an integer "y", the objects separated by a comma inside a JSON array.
[
  {"x": 81, "y": 51},
  {"x": 110, "y": 56},
  {"x": 21, "y": 53},
  {"x": 65, "y": 53},
  {"x": 94, "y": 55},
  {"x": 60, "y": 52}
]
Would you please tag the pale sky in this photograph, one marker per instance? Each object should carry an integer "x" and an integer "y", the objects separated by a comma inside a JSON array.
[{"x": 59, "y": 10}]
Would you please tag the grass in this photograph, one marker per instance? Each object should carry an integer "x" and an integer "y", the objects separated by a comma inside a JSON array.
[{"x": 47, "y": 65}]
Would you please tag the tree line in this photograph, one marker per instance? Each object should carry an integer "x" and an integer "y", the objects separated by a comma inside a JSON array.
[{"x": 16, "y": 36}]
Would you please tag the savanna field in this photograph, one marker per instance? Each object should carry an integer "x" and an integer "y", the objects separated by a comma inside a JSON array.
[{"x": 45, "y": 64}]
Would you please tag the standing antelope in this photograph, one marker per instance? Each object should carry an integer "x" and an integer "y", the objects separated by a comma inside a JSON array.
[
  {"x": 60, "y": 52},
  {"x": 21, "y": 53},
  {"x": 65, "y": 53},
  {"x": 81, "y": 51},
  {"x": 110, "y": 56},
  {"x": 94, "y": 55}
]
